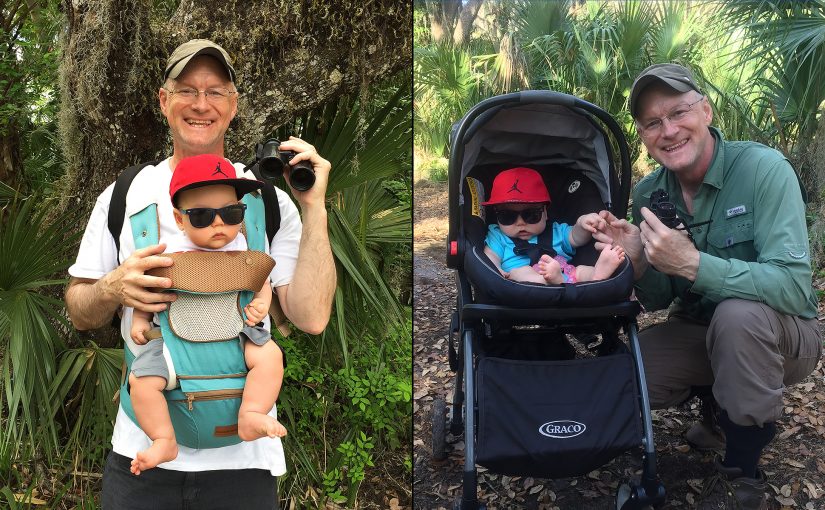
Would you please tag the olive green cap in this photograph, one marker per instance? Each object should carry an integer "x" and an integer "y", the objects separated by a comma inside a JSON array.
[
  {"x": 190, "y": 49},
  {"x": 674, "y": 76}
]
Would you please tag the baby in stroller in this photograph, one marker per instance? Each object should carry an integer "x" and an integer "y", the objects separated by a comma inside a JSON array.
[{"x": 525, "y": 248}]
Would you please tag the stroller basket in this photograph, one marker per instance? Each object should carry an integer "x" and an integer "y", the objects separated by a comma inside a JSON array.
[{"x": 555, "y": 419}]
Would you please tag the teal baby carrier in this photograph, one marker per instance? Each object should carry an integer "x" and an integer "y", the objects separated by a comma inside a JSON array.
[{"x": 200, "y": 334}]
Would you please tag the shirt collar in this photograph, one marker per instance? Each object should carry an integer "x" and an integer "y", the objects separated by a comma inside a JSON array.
[{"x": 716, "y": 172}]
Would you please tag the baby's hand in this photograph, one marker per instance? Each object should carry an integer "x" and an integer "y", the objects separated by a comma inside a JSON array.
[
  {"x": 137, "y": 335},
  {"x": 255, "y": 311},
  {"x": 592, "y": 222}
]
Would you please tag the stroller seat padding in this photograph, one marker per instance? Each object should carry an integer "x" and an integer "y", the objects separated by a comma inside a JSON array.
[
  {"x": 572, "y": 194},
  {"x": 492, "y": 288}
]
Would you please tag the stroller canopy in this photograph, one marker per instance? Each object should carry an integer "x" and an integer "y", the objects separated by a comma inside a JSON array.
[{"x": 539, "y": 134}]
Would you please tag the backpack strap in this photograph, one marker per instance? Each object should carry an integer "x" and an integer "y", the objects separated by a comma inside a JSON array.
[
  {"x": 271, "y": 206},
  {"x": 543, "y": 246},
  {"x": 117, "y": 206}
]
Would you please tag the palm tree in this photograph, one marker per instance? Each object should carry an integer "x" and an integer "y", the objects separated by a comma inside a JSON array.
[{"x": 784, "y": 46}]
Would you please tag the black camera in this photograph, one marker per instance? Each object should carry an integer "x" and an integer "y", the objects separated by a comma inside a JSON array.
[
  {"x": 663, "y": 208},
  {"x": 271, "y": 162}
]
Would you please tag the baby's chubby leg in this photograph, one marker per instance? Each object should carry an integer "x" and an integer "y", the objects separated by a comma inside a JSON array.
[
  {"x": 263, "y": 383},
  {"x": 550, "y": 270},
  {"x": 152, "y": 414}
]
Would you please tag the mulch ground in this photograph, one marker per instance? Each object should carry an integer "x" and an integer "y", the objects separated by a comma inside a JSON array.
[{"x": 794, "y": 461}]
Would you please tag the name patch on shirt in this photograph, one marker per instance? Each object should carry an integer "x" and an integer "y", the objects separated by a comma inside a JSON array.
[{"x": 736, "y": 211}]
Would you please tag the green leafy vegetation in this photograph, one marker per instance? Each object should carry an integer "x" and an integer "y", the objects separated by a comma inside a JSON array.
[{"x": 761, "y": 64}]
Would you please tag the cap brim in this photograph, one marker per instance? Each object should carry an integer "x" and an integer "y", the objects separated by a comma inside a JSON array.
[
  {"x": 646, "y": 81},
  {"x": 496, "y": 202},
  {"x": 178, "y": 67},
  {"x": 242, "y": 186}
]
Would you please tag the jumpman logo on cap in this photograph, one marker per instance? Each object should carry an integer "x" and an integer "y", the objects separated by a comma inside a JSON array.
[
  {"x": 219, "y": 171},
  {"x": 515, "y": 188}
]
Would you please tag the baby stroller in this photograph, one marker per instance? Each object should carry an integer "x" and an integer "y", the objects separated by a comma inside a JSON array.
[{"x": 527, "y": 404}]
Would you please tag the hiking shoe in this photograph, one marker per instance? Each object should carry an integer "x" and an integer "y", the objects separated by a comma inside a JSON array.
[
  {"x": 707, "y": 435},
  {"x": 727, "y": 489},
  {"x": 704, "y": 437}
]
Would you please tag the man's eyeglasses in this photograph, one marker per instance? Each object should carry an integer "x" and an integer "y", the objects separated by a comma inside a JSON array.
[
  {"x": 202, "y": 217},
  {"x": 213, "y": 95},
  {"x": 530, "y": 216},
  {"x": 654, "y": 126}
]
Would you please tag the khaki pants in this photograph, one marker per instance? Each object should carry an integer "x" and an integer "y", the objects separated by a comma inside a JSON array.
[{"x": 748, "y": 353}]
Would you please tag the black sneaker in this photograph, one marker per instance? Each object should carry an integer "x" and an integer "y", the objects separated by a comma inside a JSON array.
[{"x": 727, "y": 489}]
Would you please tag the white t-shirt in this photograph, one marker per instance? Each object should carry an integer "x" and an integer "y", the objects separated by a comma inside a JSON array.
[{"x": 96, "y": 257}]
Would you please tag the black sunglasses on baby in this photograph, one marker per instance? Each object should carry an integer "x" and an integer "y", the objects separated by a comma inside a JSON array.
[
  {"x": 509, "y": 216},
  {"x": 202, "y": 217}
]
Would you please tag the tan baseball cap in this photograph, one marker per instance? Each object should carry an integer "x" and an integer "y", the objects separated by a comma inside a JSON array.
[
  {"x": 187, "y": 51},
  {"x": 673, "y": 75}
]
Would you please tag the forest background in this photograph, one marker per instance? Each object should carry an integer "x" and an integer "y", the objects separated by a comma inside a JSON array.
[
  {"x": 78, "y": 104},
  {"x": 761, "y": 64}
]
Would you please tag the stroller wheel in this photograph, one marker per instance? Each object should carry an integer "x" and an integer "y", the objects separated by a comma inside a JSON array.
[
  {"x": 439, "y": 435},
  {"x": 622, "y": 496},
  {"x": 627, "y": 498}
]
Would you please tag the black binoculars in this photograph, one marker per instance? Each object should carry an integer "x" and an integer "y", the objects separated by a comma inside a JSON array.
[
  {"x": 271, "y": 162},
  {"x": 663, "y": 208}
]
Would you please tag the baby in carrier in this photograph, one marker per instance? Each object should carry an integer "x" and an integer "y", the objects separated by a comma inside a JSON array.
[
  {"x": 209, "y": 214},
  {"x": 514, "y": 244}
]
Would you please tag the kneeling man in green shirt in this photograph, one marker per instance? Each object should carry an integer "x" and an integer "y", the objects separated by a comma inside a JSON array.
[{"x": 742, "y": 318}]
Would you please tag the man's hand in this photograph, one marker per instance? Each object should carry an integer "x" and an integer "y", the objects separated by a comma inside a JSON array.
[
  {"x": 306, "y": 152},
  {"x": 129, "y": 285},
  {"x": 669, "y": 250},
  {"x": 624, "y": 234}
]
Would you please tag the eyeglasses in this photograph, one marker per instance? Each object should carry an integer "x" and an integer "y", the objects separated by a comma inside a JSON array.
[
  {"x": 213, "y": 95},
  {"x": 202, "y": 217},
  {"x": 509, "y": 216},
  {"x": 678, "y": 114}
]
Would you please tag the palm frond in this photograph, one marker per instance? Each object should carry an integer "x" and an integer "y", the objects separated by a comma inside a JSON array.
[
  {"x": 30, "y": 254},
  {"x": 92, "y": 375}
]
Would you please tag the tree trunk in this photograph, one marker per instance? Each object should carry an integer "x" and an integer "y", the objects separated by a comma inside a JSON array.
[
  {"x": 290, "y": 57},
  {"x": 443, "y": 17},
  {"x": 464, "y": 28},
  {"x": 11, "y": 162}
]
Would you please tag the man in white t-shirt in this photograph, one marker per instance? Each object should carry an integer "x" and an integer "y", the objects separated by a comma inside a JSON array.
[{"x": 198, "y": 99}]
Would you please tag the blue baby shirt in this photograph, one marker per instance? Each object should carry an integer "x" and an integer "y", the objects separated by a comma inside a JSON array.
[{"x": 503, "y": 246}]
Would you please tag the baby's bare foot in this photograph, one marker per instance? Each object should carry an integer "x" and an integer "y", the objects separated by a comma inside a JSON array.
[
  {"x": 609, "y": 260},
  {"x": 252, "y": 425},
  {"x": 550, "y": 269},
  {"x": 162, "y": 450}
]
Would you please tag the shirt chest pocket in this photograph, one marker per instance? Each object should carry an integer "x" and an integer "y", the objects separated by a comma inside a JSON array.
[{"x": 732, "y": 232}]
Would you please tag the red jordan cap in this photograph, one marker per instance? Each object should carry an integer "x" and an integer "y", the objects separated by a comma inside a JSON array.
[
  {"x": 518, "y": 185},
  {"x": 206, "y": 169}
]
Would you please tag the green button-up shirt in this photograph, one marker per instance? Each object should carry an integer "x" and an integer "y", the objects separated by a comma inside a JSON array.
[{"x": 756, "y": 246}]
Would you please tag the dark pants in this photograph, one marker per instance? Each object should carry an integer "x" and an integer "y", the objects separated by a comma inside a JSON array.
[{"x": 164, "y": 489}]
